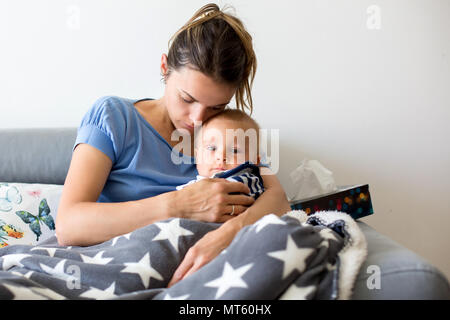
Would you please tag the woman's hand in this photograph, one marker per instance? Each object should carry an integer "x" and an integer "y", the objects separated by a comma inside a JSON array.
[
  {"x": 206, "y": 249},
  {"x": 210, "y": 200},
  {"x": 273, "y": 200}
]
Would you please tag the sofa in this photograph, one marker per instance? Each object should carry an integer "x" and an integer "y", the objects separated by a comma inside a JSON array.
[{"x": 390, "y": 271}]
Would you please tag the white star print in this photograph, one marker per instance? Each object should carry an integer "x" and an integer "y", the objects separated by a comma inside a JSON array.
[
  {"x": 16, "y": 273},
  {"x": 231, "y": 278},
  {"x": 294, "y": 258},
  {"x": 266, "y": 220},
  {"x": 58, "y": 271},
  {"x": 24, "y": 293},
  {"x": 168, "y": 297},
  {"x": 50, "y": 251},
  {"x": 171, "y": 231},
  {"x": 50, "y": 294},
  {"x": 97, "y": 259},
  {"x": 297, "y": 293},
  {"x": 11, "y": 260},
  {"x": 143, "y": 269},
  {"x": 32, "y": 292},
  {"x": 114, "y": 241},
  {"x": 98, "y": 294},
  {"x": 26, "y": 275}
]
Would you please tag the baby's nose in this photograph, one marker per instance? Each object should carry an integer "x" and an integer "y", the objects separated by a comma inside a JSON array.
[{"x": 221, "y": 157}]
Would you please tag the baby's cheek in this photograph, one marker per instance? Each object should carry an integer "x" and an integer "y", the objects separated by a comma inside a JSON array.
[
  {"x": 251, "y": 154},
  {"x": 250, "y": 158},
  {"x": 204, "y": 163}
]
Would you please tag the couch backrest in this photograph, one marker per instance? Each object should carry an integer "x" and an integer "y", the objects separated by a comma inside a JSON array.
[{"x": 36, "y": 155}]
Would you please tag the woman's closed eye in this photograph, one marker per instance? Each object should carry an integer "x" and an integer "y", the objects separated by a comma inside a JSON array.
[
  {"x": 216, "y": 108},
  {"x": 186, "y": 100}
]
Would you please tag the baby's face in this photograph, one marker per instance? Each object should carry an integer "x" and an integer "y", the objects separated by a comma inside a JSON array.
[{"x": 215, "y": 151}]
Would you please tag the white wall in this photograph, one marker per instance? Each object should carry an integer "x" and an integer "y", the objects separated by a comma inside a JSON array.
[{"x": 368, "y": 97}]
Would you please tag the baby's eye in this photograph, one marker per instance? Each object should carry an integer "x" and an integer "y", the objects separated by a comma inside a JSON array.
[{"x": 211, "y": 148}]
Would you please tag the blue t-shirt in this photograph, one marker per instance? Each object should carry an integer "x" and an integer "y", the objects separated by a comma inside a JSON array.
[{"x": 142, "y": 164}]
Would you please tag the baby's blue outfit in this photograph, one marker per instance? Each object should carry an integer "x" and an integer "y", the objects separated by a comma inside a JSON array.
[
  {"x": 142, "y": 160},
  {"x": 246, "y": 173}
]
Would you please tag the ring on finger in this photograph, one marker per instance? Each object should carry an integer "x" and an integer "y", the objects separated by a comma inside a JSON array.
[{"x": 232, "y": 211}]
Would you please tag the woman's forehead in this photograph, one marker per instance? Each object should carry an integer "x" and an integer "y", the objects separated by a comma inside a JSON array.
[{"x": 202, "y": 88}]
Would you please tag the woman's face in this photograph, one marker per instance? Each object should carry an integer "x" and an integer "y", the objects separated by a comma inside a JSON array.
[{"x": 192, "y": 97}]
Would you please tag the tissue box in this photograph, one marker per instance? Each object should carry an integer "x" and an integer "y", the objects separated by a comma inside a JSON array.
[{"x": 354, "y": 200}]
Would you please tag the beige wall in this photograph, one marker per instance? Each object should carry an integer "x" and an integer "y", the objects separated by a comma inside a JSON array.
[{"x": 365, "y": 92}]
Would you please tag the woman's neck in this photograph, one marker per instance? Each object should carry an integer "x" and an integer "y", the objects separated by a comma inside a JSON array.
[{"x": 155, "y": 113}]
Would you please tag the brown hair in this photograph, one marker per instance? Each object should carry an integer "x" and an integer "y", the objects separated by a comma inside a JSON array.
[
  {"x": 234, "y": 115},
  {"x": 216, "y": 44}
]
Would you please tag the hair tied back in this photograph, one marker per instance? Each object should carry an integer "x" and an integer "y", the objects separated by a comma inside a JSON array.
[{"x": 217, "y": 44}]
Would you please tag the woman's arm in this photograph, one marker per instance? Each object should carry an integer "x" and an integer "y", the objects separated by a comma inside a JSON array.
[
  {"x": 82, "y": 221},
  {"x": 272, "y": 200}
]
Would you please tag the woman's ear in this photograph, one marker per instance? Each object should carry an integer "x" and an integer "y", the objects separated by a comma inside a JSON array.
[{"x": 164, "y": 66}]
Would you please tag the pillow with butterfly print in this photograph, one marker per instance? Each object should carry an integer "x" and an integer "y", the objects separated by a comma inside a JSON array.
[{"x": 27, "y": 212}]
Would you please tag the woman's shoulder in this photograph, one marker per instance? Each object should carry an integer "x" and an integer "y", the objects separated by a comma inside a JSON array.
[
  {"x": 112, "y": 103},
  {"x": 106, "y": 124},
  {"x": 109, "y": 109}
]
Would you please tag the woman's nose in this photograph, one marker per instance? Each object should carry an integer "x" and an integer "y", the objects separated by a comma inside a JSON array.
[{"x": 197, "y": 114}]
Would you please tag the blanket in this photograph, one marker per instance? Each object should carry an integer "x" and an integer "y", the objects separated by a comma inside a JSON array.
[{"x": 295, "y": 256}]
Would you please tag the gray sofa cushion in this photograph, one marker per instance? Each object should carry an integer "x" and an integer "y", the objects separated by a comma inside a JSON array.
[
  {"x": 403, "y": 274},
  {"x": 36, "y": 155}
]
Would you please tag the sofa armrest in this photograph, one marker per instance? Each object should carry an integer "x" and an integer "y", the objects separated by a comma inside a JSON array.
[
  {"x": 36, "y": 155},
  {"x": 403, "y": 274}
]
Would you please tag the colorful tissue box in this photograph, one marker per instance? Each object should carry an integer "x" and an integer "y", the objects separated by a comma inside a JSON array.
[{"x": 354, "y": 200}]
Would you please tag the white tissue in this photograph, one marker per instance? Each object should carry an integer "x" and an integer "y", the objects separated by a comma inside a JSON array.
[{"x": 312, "y": 179}]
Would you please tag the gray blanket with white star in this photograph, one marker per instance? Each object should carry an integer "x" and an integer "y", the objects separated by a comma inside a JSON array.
[{"x": 292, "y": 257}]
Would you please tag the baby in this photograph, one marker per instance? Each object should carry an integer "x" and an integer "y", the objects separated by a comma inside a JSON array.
[{"x": 227, "y": 146}]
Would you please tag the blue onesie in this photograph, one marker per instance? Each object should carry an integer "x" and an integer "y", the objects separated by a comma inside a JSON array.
[{"x": 247, "y": 173}]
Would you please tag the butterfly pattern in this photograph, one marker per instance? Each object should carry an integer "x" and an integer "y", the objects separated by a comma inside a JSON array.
[
  {"x": 35, "y": 221},
  {"x": 9, "y": 195},
  {"x": 8, "y": 230}
]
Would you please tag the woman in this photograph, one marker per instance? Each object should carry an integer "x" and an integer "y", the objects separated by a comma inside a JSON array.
[{"x": 121, "y": 177}]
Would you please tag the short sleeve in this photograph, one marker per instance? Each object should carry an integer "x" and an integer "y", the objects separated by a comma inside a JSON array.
[{"x": 103, "y": 127}]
